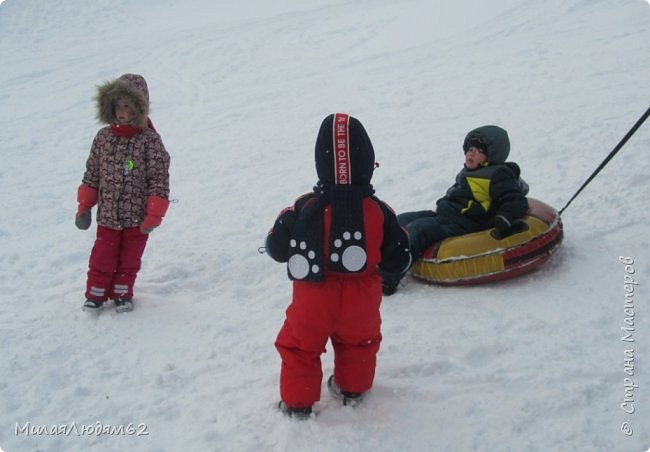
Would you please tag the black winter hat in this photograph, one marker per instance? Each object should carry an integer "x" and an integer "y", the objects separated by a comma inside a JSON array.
[
  {"x": 492, "y": 140},
  {"x": 340, "y": 161},
  {"x": 476, "y": 143}
]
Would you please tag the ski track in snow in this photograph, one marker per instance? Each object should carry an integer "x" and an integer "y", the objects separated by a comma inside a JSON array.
[{"x": 534, "y": 363}]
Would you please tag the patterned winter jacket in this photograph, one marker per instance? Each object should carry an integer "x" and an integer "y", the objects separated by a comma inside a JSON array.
[{"x": 125, "y": 169}]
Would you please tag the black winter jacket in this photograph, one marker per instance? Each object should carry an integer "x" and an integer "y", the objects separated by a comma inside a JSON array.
[
  {"x": 393, "y": 256},
  {"x": 479, "y": 195}
]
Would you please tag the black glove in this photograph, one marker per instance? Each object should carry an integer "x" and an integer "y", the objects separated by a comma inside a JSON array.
[
  {"x": 502, "y": 224},
  {"x": 390, "y": 282},
  {"x": 83, "y": 219}
]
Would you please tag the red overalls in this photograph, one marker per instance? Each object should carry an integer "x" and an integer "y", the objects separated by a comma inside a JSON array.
[
  {"x": 345, "y": 309},
  {"x": 115, "y": 261}
]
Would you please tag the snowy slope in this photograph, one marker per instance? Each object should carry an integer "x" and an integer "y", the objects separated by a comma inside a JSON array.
[{"x": 238, "y": 92}]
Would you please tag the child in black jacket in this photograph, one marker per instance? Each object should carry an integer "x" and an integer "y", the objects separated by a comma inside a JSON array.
[
  {"x": 488, "y": 192},
  {"x": 335, "y": 241}
]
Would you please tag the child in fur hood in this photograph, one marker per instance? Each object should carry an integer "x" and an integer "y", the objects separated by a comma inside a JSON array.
[
  {"x": 488, "y": 192},
  {"x": 335, "y": 241},
  {"x": 127, "y": 176}
]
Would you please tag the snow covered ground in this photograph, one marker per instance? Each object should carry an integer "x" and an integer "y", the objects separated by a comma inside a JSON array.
[{"x": 238, "y": 91}]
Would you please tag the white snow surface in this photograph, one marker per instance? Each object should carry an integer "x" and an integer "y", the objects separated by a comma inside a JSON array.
[{"x": 549, "y": 361}]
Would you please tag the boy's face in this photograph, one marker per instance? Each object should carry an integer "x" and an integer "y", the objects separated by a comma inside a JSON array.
[
  {"x": 474, "y": 157},
  {"x": 123, "y": 113}
]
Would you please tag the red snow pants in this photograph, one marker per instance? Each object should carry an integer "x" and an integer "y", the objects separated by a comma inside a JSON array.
[
  {"x": 342, "y": 309},
  {"x": 115, "y": 261}
]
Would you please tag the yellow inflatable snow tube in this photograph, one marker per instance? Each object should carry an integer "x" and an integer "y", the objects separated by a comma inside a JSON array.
[{"x": 485, "y": 256}]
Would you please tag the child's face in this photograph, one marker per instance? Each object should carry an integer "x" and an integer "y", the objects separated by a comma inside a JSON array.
[
  {"x": 474, "y": 157},
  {"x": 123, "y": 113}
]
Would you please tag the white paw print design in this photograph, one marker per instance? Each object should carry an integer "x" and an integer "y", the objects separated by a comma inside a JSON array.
[
  {"x": 353, "y": 257},
  {"x": 299, "y": 265}
]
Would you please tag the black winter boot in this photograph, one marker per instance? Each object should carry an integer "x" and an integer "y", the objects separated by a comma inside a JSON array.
[
  {"x": 93, "y": 305},
  {"x": 123, "y": 304},
  {"x": 297, "y": 413},
  {"x": 346, "y": 398}
]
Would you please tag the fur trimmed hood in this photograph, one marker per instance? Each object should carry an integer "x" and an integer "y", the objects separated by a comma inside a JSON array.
[{"x": 133, "y": 87}]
